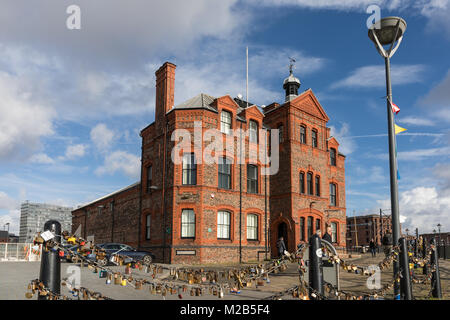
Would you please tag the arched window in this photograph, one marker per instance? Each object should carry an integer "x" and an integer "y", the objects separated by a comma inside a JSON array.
[
  {"x": 223, "y": 225},
  {"x": 333, "y": 194},
  {"x": 252, "y": 178},
  {"x": 310, "y": 183},
  {"x": 310, "y": 227},
  {"x": 333, "y": 157},
  {"x": 303, "y": 134},
  {"x": 302, "y": 229},
  {"x": 187, "y": 223},
  {"x": 252, "y": 227},
  {"x": 334, "y": 232},
  {"x": 318, "y": 225},
  {"x": 302, "y": 182}
]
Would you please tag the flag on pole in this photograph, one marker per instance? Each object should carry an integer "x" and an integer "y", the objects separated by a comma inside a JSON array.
[
  {"x": 399, "y": 129},
  {"x": 395, "y": 108},
  {"x": 398, "y": 175}
]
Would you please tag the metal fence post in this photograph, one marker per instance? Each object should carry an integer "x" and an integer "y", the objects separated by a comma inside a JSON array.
[
  {"x": 435, "y": 278},
  {"x": 315, "y": 265},
  {"x": 405, "y": 282},
  {"x": 50, "y": 273}
]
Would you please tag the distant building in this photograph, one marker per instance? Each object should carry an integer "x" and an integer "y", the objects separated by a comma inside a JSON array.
[
  {"x": 33, "y": 216},
  {"x": 442, "y": 237},
  {"x": 360, "y": 229},
  {"x": 3, "y": 236}
]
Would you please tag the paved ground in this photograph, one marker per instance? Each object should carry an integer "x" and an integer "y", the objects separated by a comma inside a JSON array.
[{"x": 15, "y": 277}]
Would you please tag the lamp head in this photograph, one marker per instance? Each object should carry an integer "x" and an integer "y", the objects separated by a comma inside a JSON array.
[{"x": 386, "y": 28}]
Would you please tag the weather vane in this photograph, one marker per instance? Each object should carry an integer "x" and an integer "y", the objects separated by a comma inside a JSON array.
[{"x": 291, "y": 64}]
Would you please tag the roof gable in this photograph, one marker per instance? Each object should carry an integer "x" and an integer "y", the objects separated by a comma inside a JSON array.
[{"x": 308, "y": 103}]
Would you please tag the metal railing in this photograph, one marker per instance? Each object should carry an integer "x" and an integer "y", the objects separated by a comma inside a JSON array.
[{"x": 20, "y": 252}]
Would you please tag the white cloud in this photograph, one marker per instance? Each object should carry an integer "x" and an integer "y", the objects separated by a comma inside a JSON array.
[
  {"x": 416, "y": 121},
  {"x": 13, "y": 218},
  {"x": 41, "y": 158},
  {"x": 423, "y": 208},
  {"x": 417, "y": 154},
  {"x": 346, "y": 144},
  {"x": 6, "y": 202},
  {"x": 75, "y": 151},
  {"x": 24, "y": 118},
  {"x": 102, "y": 137},
  {"x": 374, "y": 76},
  {"x": 120, "y": 161}
]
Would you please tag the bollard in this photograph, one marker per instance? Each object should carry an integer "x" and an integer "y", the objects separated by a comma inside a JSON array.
[
  {"x": 315, "y": 265},
  {"x": 405, "y": 281},
  {"x": 50, "y": 273},
  {"x": 435, "y": 278}
]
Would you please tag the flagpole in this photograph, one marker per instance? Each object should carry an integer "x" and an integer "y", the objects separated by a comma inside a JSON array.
[{"x": 246, "y": 55}]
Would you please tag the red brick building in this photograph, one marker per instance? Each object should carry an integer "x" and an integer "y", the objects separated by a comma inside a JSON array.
[
  {"x": 197, "y": 212},
  {"x": 361, "y": 229}
]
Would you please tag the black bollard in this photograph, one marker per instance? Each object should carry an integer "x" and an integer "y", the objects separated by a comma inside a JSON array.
[
  {"x": 50, "y": 273},
  {"x": 416, "y": 244},
  {"x": 405, "y": 281},
  {"x": 315, "y": 265},
  {"x": 435, "y": 278}
]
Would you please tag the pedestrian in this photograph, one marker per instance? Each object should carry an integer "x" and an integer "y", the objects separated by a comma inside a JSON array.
[
  {"x": 387, "y": 244},
  {"x": 327, "y": 235},
  {"x": 281, "y": 247},
  {"x": 373, "y": 248}
]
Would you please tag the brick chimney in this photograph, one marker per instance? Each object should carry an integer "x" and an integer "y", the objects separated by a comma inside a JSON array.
[{"x": 165, "y": 88}]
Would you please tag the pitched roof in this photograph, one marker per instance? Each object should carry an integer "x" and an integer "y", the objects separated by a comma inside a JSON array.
[{"x": 201, "y": 100}]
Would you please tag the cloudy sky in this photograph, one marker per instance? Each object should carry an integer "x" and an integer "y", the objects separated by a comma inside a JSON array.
[{"x": 74, "y": 101}]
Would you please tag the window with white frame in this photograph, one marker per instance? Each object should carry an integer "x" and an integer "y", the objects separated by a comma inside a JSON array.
[
  {"x": 223, "y": 225},
  {"x": 189, "y": 169},
  {"x": 253, "y": 134},
  {"x": 224, "y": 173},
  {"x": 334, "y": 232},
  {"x": 252, "y": 178},
  {"x": 252, "y": 227},
  {"x": 225, "y": 122},
  {"x": 187, "y": 223}
]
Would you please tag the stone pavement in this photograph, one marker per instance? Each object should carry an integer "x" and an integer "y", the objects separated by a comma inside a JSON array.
[{"x": 15, "y": 277}]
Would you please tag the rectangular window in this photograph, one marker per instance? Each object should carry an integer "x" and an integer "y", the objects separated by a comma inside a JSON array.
[
  {"x": 223, "y": 225},
  {"x": 149, "y": 178},
  {"x": 302, "y": 182},
  {"x": 147, "y": 226},
  {"x": 314, "y": 138},
  {"x": 225, "y": 122},
  {"x": 280, "y": 133},
  {"x": 189, "y": 169},
  {"x": 253, "y": 134},
  {"x": 252, "y": 227},
  {"x": 333, "y": 194},
  {"x": 224, "y": 173},
  {"x": 302, "y": 228},
  {"x": 252, "y": 178},
  {"x": 310, "y": 183},
  {"x": 302, "y": 134},
  {"x": 318, "y": 186},
  {"x": 187, "y": 223},
  {"x": 318, "y": 224},
  {"x": 333, "y": 156}
]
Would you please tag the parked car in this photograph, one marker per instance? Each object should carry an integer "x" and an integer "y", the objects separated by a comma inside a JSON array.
[{"x": 130, "y": 254}]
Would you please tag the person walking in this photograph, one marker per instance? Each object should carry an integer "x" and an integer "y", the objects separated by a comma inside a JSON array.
[
  {"x": 387, "y": 244},
  {"x": 373, "y": 248},
  {"x": 281, "y": 247},
  {"x": 327, "y": 235}
]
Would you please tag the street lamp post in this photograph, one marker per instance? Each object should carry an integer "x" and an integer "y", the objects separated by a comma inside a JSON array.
[
  {"x": 439, "y": 230},
  {"x": 388, "y": 31}
]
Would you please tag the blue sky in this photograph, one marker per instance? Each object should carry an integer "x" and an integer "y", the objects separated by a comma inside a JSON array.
[{"x": 74, "y": 101}]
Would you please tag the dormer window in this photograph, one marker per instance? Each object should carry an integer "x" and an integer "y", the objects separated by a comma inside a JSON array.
[
  {"x": 333, "y": 157},
  {"x": 253, "y": 131},
  {"x": 225, "y": 122}
]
